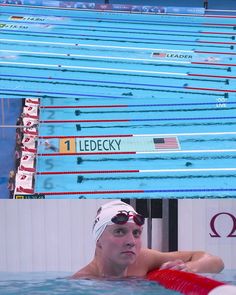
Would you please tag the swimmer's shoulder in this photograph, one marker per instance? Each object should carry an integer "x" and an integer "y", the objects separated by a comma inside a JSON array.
[
  {"x": 82, "y": 275},
  {"x": 88, "y": 272}
]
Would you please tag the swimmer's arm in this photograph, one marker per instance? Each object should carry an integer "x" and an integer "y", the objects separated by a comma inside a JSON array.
[
  {"x": 193, "y": 261},
  {"x": 205, "y": 262}
]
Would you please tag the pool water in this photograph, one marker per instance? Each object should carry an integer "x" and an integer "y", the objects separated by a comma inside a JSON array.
[
  {"x": 41, "y": 284},
  {"x": 227, "y": 276},
  {"x": 58, "y": 283}
]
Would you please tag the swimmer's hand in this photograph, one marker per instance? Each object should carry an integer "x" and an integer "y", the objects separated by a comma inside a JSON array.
[{"x": 177, "y": 264}]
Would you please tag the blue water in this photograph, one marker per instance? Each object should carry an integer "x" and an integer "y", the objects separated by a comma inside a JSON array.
[
  {"x": 48, "y": 284},
  {"x": 57, "y": 283},
  {"x": 101, "y": 65}
]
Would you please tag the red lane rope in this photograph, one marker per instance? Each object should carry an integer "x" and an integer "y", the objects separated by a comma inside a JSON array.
[
  {"x": 213, "y": 64},
  {"x": 214, "y": 52},
  {"x": 87, "y": 172},
  {"x": 83, "y": 121},
  {"x": 84, "y": 136},
  {"x": 93, "y": 192},
  {"x": 210, "y": 89},
  {"x": 90, "y": 153},
  {"x": 81, "y": 107},
  {"x": 184, "y": 282},
  {"x": 212, "y": 76}
]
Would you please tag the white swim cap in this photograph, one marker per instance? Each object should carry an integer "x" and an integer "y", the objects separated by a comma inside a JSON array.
[{"x": 105, "y": 213}]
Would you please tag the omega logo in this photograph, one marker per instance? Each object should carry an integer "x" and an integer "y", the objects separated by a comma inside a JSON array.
[{"x": 215, "y": 234}]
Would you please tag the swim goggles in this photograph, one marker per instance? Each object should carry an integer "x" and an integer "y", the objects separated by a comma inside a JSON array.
[{"x": 123, "y": 217}]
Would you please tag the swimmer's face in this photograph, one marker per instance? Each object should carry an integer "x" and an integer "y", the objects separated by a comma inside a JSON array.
[{"x": 121, "y": 244}]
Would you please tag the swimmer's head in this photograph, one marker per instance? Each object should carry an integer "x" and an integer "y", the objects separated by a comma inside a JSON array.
[
  {"x": 115, "y": 212},
  {"x": 12, "y": 174}
]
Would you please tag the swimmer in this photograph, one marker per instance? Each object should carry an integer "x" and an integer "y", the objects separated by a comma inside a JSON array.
[
  {"x": 212, "y": 59},
  {"x": 117, "y": 231},
  {"x": 49, "y": 146}
]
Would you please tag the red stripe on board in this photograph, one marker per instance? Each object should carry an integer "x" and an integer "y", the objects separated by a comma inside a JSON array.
[
  {"x": 211, "y": 89},
  {"x": 83, "y": 121},
  {"x": 23, "y": 190},
  {"x": 213, "y": 64},
  {"x": 92, "y": 153},
  {"x": 82, "y": 107},
  {"x": 212, "y": 76},
  {"x": 93, "y": 193},
  {"x": 214, "y": 52},
  {"x": 87, "y": 172},
  {"x": 214, "y": 42},
  {"x": 84, "y": 136}
]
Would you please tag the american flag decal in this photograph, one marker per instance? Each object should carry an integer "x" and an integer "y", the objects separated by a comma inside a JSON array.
[
  {"x": 16, "y": 17},
  {"x": 158, "y": 54},
  {"x": 167, "y": 143}
]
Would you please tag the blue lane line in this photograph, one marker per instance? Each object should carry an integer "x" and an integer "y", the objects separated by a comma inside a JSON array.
[
  {"x": 61, "y": 93},
  {"x": 136, "y": 120},
  {"x": 96, "y": 36},
  {"x": 108, "y": 82},
  {"x": 80, "y": 94},
  {"x": 97, "y": 81},
  {"x": 139, "y": 120},
  {"x": 101, "y": 27}
]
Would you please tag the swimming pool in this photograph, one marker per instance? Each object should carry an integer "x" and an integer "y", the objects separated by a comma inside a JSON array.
[
  {"x": 90, "y": 287},
  {"x": 135, "y": 104},
  {"x": 55, "y": 283}
]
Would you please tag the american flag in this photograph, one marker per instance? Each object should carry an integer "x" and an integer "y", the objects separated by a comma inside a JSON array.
[
  {"x": 166, "y": 143},
  {"x": 158, "y": 54},
  {"x": 15, "y": 17}
]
